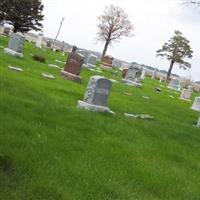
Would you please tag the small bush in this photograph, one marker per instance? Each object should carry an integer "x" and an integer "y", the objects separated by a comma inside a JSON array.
[{"x": 39, "y": 58}]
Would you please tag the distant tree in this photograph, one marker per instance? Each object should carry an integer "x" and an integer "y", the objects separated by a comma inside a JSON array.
[
  {"x": 176, "y": 50},
  {"x": 24, "y": 15},
  {"x": 194, "y": 2},
  {"x": 113, "y": 24}
]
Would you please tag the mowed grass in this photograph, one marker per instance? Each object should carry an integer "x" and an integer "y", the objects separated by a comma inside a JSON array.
[{"x": 50, "y": 150}]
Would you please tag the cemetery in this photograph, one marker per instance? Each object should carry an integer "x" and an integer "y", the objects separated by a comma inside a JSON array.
[
  {"x": 48, "y": 136},
  {"x": 82, "y": 125}
]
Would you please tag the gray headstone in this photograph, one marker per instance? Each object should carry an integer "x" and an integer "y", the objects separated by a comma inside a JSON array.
[
  {"x": 196, "y": 104},
  {"x": 190, "y": 87},
  {"x": 174, "y": 84},
  {"x": 49, "y": 44},
  {"x": 133, "y": 76},
  {"x": 98, "y": 91},
  {"x": 16, "y": 42},
  {"x": 85, "y": 54},
  {"x": 154, "y": 74},
  {"x": 96, "y": 95},
  {"x": 15, "y": 45},
  {"x": 92, "y": 59}
]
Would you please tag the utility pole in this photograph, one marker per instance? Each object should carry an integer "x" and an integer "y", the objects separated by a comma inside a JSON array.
[{"x": 61, "y": 23}]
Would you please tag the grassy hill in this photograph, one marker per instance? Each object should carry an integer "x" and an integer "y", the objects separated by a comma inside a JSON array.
[{"x": 50, "y": 150}]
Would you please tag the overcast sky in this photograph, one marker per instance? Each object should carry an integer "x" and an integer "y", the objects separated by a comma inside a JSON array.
[{"x": 154, "y": 22}]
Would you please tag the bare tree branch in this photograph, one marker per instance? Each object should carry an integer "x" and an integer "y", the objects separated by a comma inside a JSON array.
[{"x": 113, "y": 24}]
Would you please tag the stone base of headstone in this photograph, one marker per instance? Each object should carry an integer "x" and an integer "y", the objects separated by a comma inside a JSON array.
[
  {"x": 86, "y": 66},
  {"x": 93, "y": 108},
  {"x": 13, "y": 53},
  {"x": 194, "y": 107},
  {"x": 71, "y": 77},
  {"x": 132, "y": 83}
]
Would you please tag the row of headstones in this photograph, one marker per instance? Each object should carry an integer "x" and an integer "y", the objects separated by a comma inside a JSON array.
[
  {"x": 98, "y": 87},
  {"x": 132, "y": 76},
  {"x": 16, "y": 44}
]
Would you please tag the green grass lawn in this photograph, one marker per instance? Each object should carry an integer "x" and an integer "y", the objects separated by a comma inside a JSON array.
[{"x": 50, "y": 150}]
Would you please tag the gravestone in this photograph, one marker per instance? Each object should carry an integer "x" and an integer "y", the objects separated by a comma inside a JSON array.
[
  {"x": 190, "y": 87},
  {"x": 6, "y": 31},
  {"x": 174, "y": 84},
  {"x": 85, "y": 54},
  {"x": 124, "y": 72},
  {"x": 198, "y": 123},
  {"x": 49, "y": 44},
  {"x": 154, "y": 74},
  {"x": 39, "y": 40},
  {"x": 107, "y": 62},
  {"x": 143, "y": 74},
  {"x": 96, "y": 95},
  {"x": 73, "y": 66},
  {"x": 186, "y": 94},
  {"x": 133, "y": 76},
  {"x": 196, "y": 104},
  {"x": 15, "y": 45},
  {"x": 91, "y": 62}
]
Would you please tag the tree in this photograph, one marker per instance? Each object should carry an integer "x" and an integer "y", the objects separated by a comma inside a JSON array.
[
  {"x": 113, "y": 24},
  {"x": 24, "y": 15},
  {"x": 176, "y": 50},
  {"x": 194, "y": 2}
]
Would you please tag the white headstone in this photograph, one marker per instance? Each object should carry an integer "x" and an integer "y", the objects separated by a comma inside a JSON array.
[
  {"x": 196, "y": 104},
  {"x": 186, "y": 94},
  {"x": 143, "y": 74},
  {"x": 39, "y": 40},
  {"x": 154, "y": 74}
]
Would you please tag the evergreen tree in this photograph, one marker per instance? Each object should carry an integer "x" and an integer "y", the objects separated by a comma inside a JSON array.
[
  {"x": 176, "y": 50},
  {"x": 24, "y": 15}
]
